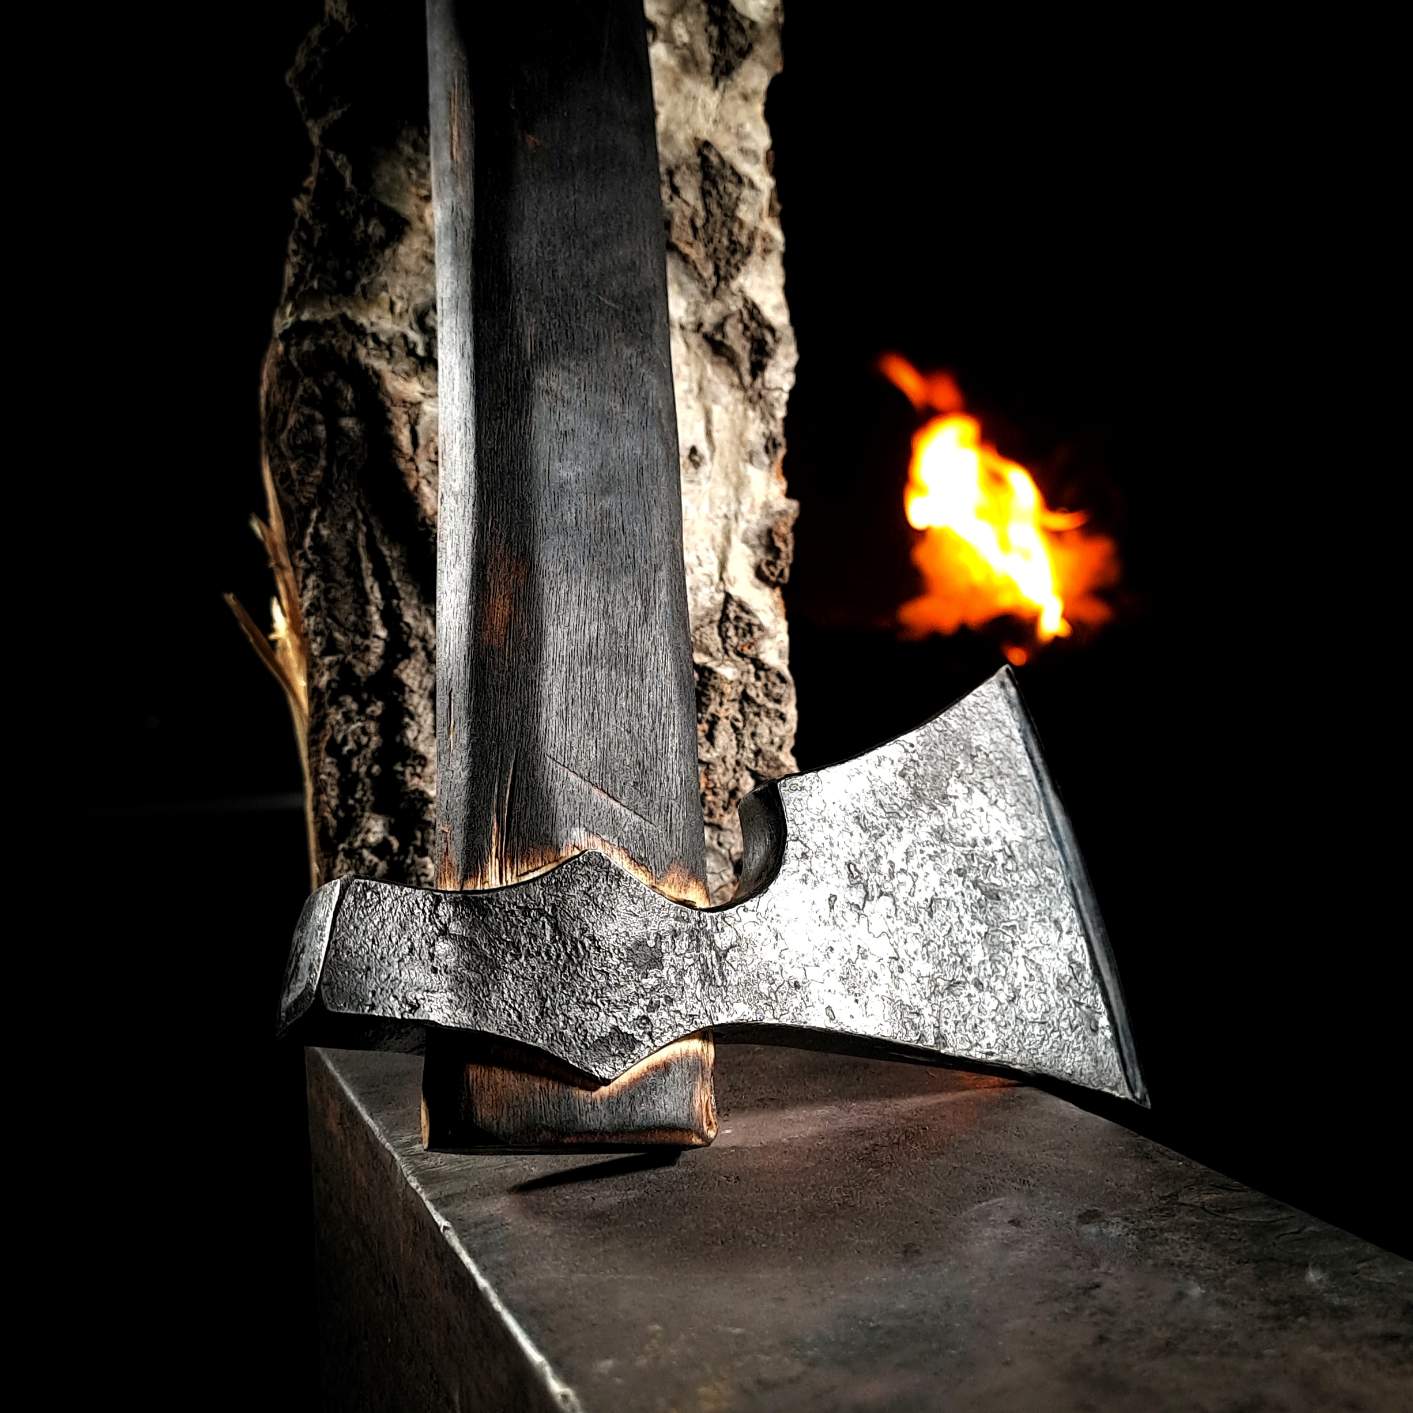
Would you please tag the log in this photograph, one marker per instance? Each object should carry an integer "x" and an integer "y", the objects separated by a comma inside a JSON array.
[{"x": 349, "y": 420}]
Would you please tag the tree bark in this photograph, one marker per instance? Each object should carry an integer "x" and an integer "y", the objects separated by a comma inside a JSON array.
[{"x": 349, "y": 399}]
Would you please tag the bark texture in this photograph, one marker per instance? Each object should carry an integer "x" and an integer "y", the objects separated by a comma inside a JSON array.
[
  {"x": 733, "y": 363},
  {"x": 349, "y": 403}
]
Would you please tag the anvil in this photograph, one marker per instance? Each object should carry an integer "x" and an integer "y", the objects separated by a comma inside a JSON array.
[{"x": 924, "y": 900}]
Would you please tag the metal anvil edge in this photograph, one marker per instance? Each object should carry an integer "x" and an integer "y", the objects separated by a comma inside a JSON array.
[{"x": 924, "y": 898}]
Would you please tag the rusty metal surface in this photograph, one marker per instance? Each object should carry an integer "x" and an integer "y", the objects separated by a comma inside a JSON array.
[
  {"x": 861, "y": 1236},
  {"x": 926, "y": 894}
]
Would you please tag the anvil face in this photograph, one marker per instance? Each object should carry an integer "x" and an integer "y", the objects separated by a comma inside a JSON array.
[{"x": 925, "y": 897}]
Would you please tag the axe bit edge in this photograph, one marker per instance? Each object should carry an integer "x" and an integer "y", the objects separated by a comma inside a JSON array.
[{"x": 926, "y": 898}]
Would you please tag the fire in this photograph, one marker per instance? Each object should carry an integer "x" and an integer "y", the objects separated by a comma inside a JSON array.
[{"x": 990, "y": 546}]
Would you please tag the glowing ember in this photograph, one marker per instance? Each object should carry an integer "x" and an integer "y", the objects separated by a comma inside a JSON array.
[{"x": 990, "y": 546}]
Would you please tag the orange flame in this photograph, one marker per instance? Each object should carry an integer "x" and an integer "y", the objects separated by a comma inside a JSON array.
[{"x": 990, "y": 546}]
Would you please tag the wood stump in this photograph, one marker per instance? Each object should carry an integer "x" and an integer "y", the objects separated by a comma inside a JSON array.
[{"x": 349, "y": 405}]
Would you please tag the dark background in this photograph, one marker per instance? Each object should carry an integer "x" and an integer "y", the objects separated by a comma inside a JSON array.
[{"x": 1141, "y": 254}]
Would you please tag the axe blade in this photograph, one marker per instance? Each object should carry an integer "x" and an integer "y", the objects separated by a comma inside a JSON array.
[{"x": 926, "y": 898}]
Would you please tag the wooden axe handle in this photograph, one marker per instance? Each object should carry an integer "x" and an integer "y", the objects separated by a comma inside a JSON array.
[{"x": 566, "y": 716}]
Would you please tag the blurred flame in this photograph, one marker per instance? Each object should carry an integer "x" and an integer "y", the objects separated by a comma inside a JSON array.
[{"x": 990, "y": 546}]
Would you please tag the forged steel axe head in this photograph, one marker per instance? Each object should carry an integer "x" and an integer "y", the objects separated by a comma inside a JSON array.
[{"x": 924, "y": 899}]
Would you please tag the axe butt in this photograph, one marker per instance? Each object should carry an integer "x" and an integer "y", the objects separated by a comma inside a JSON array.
[{"x": 507, "y": 1097}]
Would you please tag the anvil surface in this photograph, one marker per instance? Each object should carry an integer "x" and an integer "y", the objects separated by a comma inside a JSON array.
[{"x": 862, "y": 1235}]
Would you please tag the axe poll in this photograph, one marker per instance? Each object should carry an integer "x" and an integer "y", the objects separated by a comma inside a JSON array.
[{"x": 924, "y": 900}]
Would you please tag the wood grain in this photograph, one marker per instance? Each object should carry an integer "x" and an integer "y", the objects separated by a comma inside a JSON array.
[{"x": 566, "y": 714}]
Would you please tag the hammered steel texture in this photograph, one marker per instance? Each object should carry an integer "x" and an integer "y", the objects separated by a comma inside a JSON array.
[{"x": 926, "y": 896}]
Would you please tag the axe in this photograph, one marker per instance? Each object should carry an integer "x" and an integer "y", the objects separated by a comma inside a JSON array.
[{"x": 925, "y": 900}]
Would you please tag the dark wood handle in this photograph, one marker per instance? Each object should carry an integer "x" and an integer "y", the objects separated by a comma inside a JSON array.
[{"x": 566, "y": 714}]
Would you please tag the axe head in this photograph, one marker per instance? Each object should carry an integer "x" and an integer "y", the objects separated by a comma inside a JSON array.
[{"x": 925, "y": 899}]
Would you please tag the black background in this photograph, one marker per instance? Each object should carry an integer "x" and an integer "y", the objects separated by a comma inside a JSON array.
[{"x": 1151, "y": 258}]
